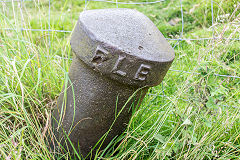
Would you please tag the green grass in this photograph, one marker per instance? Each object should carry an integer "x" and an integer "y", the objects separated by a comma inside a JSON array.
[{"x": 188, "y": 116}]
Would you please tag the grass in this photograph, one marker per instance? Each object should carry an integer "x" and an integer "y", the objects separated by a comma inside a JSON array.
[{"x": 191, "y": 115}]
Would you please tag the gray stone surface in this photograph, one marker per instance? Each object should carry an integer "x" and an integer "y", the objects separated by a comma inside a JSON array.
[{"x": 117, "y": 51}]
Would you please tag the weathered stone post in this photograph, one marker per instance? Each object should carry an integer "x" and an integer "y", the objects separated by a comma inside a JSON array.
[{"x": 117, "y": 52}]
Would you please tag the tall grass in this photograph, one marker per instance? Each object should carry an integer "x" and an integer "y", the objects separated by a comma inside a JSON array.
[{"x": 191, "y": 115}]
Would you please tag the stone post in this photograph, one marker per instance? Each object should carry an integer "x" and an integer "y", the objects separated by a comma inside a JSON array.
[{"x": 118, "y": 53}]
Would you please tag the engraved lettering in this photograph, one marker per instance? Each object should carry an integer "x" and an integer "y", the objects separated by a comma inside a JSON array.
[
  {"x": 118, "y": 65},
  {"x": 100, "y": 56},
  {"x": 142, "y": 72}
]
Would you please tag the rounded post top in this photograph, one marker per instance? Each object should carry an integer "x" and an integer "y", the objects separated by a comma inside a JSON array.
[
  {"x": 123, "y": 44},
  {"x": 130, "y": 31}
]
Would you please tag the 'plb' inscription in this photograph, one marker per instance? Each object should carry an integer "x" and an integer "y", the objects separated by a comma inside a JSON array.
[
  {"x": 117, "y": 66},
  {"x": 142, "y": 72}
]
